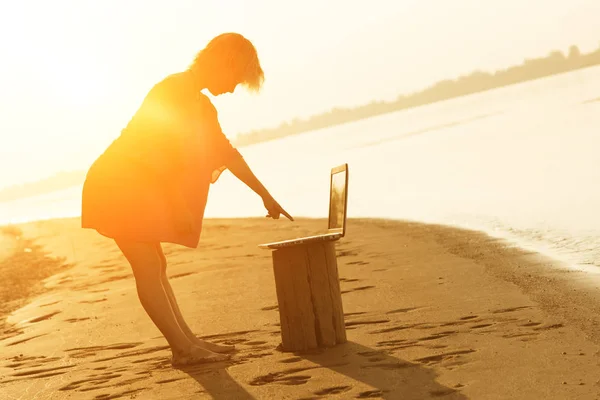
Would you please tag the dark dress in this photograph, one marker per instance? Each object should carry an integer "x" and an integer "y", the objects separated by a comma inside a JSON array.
[{"x": 173, "y": 144}]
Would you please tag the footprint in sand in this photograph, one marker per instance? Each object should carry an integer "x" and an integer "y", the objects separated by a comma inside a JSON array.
[
  {"x": 291, "y": 360},
  {"x": 352, "y": 324},
  {"x": 531, "y": 324},
  {"x": 371, "y": 394},
  {"x": 231, "y": 338},
  {"x": 181, "y": 275},
  {"x": 508, "y": 310},
  {"x": 64, "y": 280},
  {"x": 21, "y": 362},
  {"x": 84, "y": 352},
  {"x": 25, "y": 340},
  {"x": 392, "y": 345},
  {"x": 135, "y": 353},
  {"x": 437, "y": 336},
  {"x": 42, "y": 317},
  {"x": 243, "y": 358},
  {"x": 449, "y": 356},
  {"x": 352, "y": 314},
  {"x": 168, "y": 380},
  {"x": 107, "y": 396},
  {"x": 50, "y": 304},
  {"x": 333, "y": 390},
  {"x": 425, "y": 326},
  {"x": 72, "y": 320},
  {"x": 403, "y": 310},
  {"x": 98, "y": 290},
  {"x": 480, "y": 326},
  {"x": 11, "y": 332},
  {"x": 442, "y": 392},
  {"x": 548, "y": 327},
  {"x": 39, "y": 373},
  {"x": 356, "y": 289},
  {"x": 395, "y": 328},
  {"x": 422, "y": 341},
  {"x": 93, "y": 301},
  {"x": 118, "y": 346},
  {"x": 285, "y": 377},
  {"x": 106, "y": 380},
  {"x": 518, "y": 335},
  {"x": 357, "y": 263},
  {"x": 94, "y": 380}
]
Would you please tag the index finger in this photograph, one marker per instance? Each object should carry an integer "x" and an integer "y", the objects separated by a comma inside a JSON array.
[{"x": 288, "y": 216}]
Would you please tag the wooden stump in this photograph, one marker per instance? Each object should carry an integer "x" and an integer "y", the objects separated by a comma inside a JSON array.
[{"x": 309, "y": 297}]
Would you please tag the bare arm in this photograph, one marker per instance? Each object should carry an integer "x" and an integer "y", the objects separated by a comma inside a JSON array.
[
  {"x": 236, "y": 163},
  {"x": 241, "y": 170}
]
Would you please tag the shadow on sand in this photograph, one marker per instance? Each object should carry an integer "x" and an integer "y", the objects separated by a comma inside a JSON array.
[
  {"x": 388, "y": 377},
  {"x": 216, "y": 381}
]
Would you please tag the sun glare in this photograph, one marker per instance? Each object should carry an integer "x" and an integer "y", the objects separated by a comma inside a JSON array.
[{"x": 79, "y": 88}]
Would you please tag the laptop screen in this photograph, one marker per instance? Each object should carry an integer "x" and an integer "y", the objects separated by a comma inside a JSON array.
[{"x": 337, "y": 202}]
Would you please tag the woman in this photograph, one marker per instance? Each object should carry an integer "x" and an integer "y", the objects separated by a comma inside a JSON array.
[{"x": 151, "y": 184}]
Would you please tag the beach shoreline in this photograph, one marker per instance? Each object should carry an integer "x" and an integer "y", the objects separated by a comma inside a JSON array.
[
  {"x": 430, "y": 311},
  {"x": 20, "y": 285}
]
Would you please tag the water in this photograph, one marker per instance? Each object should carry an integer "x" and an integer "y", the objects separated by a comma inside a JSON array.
[{"x": 518, "y": 162}]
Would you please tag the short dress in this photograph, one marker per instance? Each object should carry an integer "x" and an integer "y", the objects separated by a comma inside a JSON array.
[{"x": 172, "y": 146}]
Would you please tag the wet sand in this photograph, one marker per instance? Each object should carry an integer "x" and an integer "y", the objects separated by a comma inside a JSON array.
[{"x": 430, "y": 312}]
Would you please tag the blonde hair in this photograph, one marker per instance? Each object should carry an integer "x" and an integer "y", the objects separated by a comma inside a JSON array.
[{"x": 236, "y": 52}]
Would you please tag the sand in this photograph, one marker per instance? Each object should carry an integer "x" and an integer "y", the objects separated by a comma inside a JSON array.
[{"x": 431, "y": 312}]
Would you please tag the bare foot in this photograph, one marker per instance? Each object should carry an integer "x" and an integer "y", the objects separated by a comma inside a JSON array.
[
  {"x": 217, "y": 348},
  {"x": 197, "y": 355}
]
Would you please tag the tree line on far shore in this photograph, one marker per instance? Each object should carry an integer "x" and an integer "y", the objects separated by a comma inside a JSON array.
[{"x": 554, "y": 63}]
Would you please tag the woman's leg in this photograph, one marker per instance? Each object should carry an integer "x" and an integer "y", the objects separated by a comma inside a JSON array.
[
  {"x": 180, "y": 320},
  {"x": 147, "y": 269}
]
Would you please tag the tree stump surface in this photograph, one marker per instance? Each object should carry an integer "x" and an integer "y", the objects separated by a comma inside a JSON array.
[{"x": 309, "y": 297}]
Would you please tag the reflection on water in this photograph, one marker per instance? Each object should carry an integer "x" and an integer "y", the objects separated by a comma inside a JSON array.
[
  {"x": 427, "y": 129},
  {"x": 519, "y": 161},
  {"x": 62, "y": 203}
]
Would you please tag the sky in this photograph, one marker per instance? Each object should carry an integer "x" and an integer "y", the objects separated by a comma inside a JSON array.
[{"x": 73, "y": 72}]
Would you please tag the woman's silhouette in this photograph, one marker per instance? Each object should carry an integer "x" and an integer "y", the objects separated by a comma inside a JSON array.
[{"x": 151, "y": 184}]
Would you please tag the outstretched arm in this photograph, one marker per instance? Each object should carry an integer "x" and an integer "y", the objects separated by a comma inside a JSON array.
[
  {"x": 238, "y": 167},
  {"x": 241, "y": 170},
  {"x": 228, "y": 156}
]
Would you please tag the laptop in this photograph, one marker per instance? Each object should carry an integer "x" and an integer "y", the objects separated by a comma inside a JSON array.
[{"x": 338, "y": 201}]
